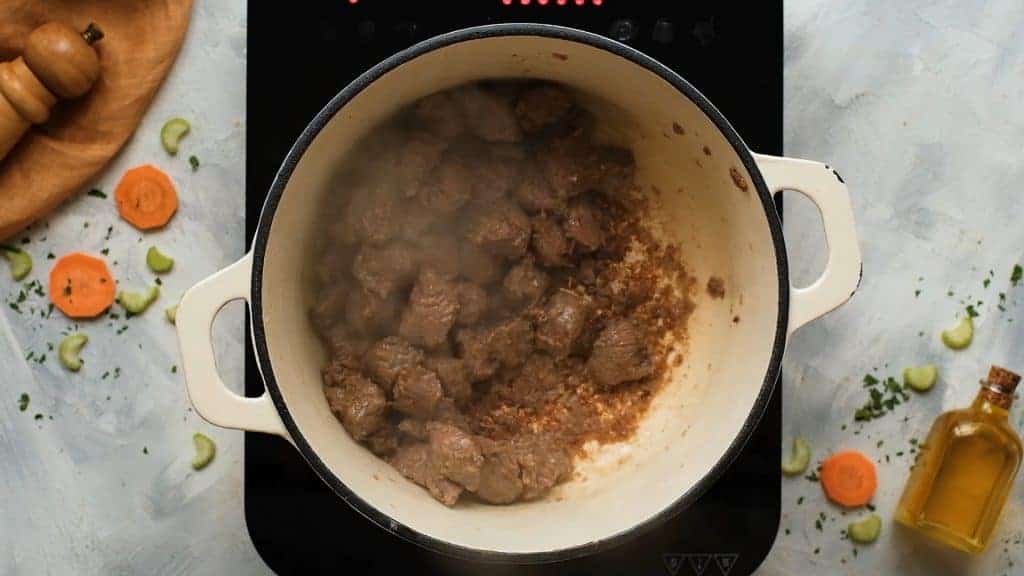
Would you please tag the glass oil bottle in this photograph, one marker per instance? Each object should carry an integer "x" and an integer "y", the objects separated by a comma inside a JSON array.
[{"x": 965, "y": 469}]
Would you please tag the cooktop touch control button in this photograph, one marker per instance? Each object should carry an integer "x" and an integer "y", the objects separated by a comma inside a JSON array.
[
  {"x": 664, "y": 31},
  {"x": 623, "y": 30}
]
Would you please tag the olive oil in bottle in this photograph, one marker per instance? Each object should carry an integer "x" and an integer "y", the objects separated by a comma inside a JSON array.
[{"x": 965, "y": 469}]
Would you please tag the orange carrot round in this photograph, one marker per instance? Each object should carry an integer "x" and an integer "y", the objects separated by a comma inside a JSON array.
[
  {"x": 146, "y": 197},
  {"x": 849, "y": 478},
  {"x": 81, "y": 285}
]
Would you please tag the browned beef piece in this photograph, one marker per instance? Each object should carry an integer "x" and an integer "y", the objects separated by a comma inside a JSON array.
[
  {"x": 562, "y": 321},
  {"x": 386, "y": 358},
  {"x": 535, "y": 194},
  {"x": 485, "y": 349},
  {"x": 368, "y": 313},
  {"x": 542, "y": 106},
  {"x": 330, "y": 304},
  {"x": 500, "y": 481},
  {"x": 500, "y": 228},
  {"x": 449, "y": 413},
  {"x": 413, "y": 428},
  {"x": 419, "y": 153},
  {"x": 586, "y": 272},
  {"x": 456, "y": 454},
  {"x": 541, "y": 466},
  {"x": 371, "y": 216},
  {"x": 448, "y": 187},
  {"x": 453, "y": 376},
  {"x": 619, "y": 355},
  {"x": 524, "y": 469},
  {"x": 414, "y": 462},
  {"x": 538, "y": 380},
  {"x": 573, "y": 167},
  {"x": 384, "y": 269},
  {"x": 343, "y": 347},
  {"x": 615, "y": 168},
  {"x": 437, "y": 251},
  {"x": 479, "y": 266},
  {"x": 525, "y": 282},
  {"x": 383, "y": 442},
  {"x": 488, "y": 115},
  {"x": 549, "y": 242},
  {"x": 416, "y": 392},
  {"x": 583, "y": 225},
  {"x": 472, "y": 303},
  {"x": 439, "y": 115},
  {"x": 497, "y": 170},
  {"x": 430, "y": 314},
  {"x": 359, "y": 403}
]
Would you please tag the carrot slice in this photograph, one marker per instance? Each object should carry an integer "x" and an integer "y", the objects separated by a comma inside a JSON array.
[
  {"x": 146, "y": 197},
  {"x": 81, "y": 285},
  {"x": 849, "y": 478}
]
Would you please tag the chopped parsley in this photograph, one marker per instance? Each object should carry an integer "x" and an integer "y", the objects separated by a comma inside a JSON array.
[
  {"x": 145, "y": 450},
  {"x": 917, "y": 293},
  {"x": 799, "y": 500},
  {"x": 193, "y": 161},
  {"x": 1016, "y": 275},
  {"x": 38, "y": 417},
  {"x": 23, "y": 402},
  {"x": 105, "y": 251},
  {"x": 110, "y": 231},
  {"x": 174, "y": 369},
  {"x": 971, "y": 311},
  {"x": 97, "y": 193},
  {"x": 50, "y": 256},
  {"x": 883, "y": 399}
]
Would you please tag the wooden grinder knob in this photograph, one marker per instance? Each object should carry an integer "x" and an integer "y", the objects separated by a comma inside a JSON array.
[{"x": 58, "y": 61}]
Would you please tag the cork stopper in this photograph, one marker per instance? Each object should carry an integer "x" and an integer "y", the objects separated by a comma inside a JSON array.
[{"x": 1003, "y": 379}]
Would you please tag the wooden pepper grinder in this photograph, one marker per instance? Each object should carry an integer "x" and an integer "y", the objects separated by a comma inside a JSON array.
[{"x": 58, "y": 61}]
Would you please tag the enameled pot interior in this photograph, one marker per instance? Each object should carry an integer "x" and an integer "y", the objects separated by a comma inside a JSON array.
[{"x": 717, "y": 218}]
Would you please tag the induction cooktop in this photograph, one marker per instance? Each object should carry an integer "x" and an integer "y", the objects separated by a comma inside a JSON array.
[{"x": 299, "y": 56}]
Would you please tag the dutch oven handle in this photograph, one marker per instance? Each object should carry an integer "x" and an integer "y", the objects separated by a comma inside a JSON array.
[
  {"x": 842, "y": 273},
  {"x": 209, "y": 395}
]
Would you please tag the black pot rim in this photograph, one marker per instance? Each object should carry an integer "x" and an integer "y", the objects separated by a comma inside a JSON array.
[{"x": 327, "y": 113}]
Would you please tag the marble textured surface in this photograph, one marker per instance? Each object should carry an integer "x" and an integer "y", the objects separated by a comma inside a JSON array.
[{"x": 918, "y": 104}]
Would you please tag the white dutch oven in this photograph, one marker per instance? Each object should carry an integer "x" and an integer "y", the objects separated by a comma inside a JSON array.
[{"x": 715, "y": 199}]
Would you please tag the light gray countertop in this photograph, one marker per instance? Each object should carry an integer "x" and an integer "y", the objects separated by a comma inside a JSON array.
[{"x": 918, "y": 104}]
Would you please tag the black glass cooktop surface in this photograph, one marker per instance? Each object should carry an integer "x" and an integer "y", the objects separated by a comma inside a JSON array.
[{"x": 299, "y": 56}]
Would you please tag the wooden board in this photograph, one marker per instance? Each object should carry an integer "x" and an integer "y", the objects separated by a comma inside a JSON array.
[{"x": 57, "y": 160}]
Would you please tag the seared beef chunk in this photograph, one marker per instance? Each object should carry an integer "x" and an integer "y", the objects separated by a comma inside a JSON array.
[
  {"x": 583, "y": 225},
  {"x": 472, "y": 303},
  {"x": 419, "y": 154},
  {"x": 386, "y": 358},
  {"x": 344, "y": 348},
  {"x": 436, "y": 251},
  {"x": 474, "y": 297},
  {"x": 433, "y": 306},
  {"x": 541, "y": 466},
  {"x": 416, "y": 392},
  {"x": 562, "y": 321},
  {"x": 357, "y": 402},
  {"x": 524, "y": 469},
  {"x": 500, "y": 228},
  {"x": 525, "y": 282},
  {"x": 500, "y": 480},
  {"x": 549, "y": 242},
  {"x": 535, "y": 194},
  {"x": 479, "y": 266},
  {"x": 370, "y": 216},
  {"x": 453, "y": 376},
  {"x": 456, "y": 454},
  {"x": 619, "y": 355},
  {"x": 440, "y": 115},
  {"x": 540, "y": 107},
  {"x": 485, "y": 349},
  {"x": 415, "y": 463},
  {"x": 615, "y": 168},
  {"x": 368, "y": 313},
  {"x": 383, "y": 442},
  {"x": 383, "y": 269},
  {"x": 488, "y": 115},
  {"x": 413, "y": 428},
  {"x": 447, "y": 189}
]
